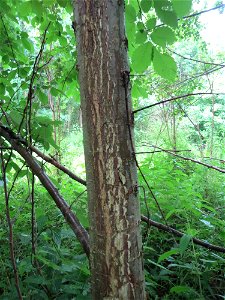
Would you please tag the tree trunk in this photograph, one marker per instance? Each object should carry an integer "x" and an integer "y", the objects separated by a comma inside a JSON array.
[{"x": 114, "y": 213}]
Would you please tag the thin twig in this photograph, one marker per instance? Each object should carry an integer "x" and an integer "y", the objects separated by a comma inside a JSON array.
[
  {"x": 152, "y": 152},
  {"x": 11, "y": 240},
  {"x": 191, "y": 159},
  {"x": 213, "y": 158},
  {"x": 31, "y": 90},
  {"x": 196, "y": 60},
  {"x": 204, "y": 11}
]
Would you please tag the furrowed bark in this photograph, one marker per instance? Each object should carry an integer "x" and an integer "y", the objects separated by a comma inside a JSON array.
[
  {"x": 114, "y": 214},
  {"x": 69, "y": 216}
]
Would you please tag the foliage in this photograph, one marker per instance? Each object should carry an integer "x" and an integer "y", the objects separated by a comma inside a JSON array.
[{"x": 190, "y": 196}]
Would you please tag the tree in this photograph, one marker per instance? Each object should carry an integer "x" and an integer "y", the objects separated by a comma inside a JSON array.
[
  {"x": 114, "y": 214},
  {"x": 40, "y": 65}
]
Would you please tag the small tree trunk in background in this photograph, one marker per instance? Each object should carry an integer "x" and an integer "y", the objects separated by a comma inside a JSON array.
[
  {"x": 174, "y": 134},
  {"x": 212, "y": 126},
  {"x": 54, "y": 105},
  {"x": 114, "y": 214}
]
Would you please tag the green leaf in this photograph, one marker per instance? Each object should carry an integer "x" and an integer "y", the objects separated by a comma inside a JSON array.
[
  {"x": 172, "y": 212},
  {"x": 15, "y": 117},
  {"x": 62, "y": 3},
  {"x": 37, "y": 7},
  {"x": 22, "y": 173},
  {"x": 180, "y": 289},
  {"x": 182, "y": 8},
  {"x": 63, "y": 41},
  {"x": 35, "y": 279},
  {"x": 24, "y": 34},
  {"x": 168, "y": 254},
  {"x": 47, "y": 262},
  {"x": 42, "y": 220},
  {"x": 54, "y": 91},
  {"x": 138, "y": 90},
  {"x": 131, "y": 31},
  {"x": 24, "y": 7},
  {"x": 151, "y": 23},
  {"x": 146, "y": 5},
  {"x": 156, "y": 264},
  {"x": 42, "y": 97},
  {"x": 2, "y": 89},
  {"x": 164, "y": 11},
  {"x": 25, "y": 238},
  {"x": 163, "y": 36},
  {"x": 52, "y": 143},
  {"x": 184, "y": 242},
  {"x": 141, "y": 37},
  {"x": 140, "y": 26},
  {"x": 26, "y": 44},
  {"x": 5, "y": 59},
  {"x": 69, "y": 289},
  {"x": 24, "y": 71},
  {"x": 130, "y": 13},
  {"x": 142, "y": 57},
  {"x": 13, "y": 165},
  {"x": 164, "y": 65}
]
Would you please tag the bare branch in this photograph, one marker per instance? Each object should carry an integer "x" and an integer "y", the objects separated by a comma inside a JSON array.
[
  {"x": 191, "y": 159},
  {"x": 175, "y": 98},
  {"x": 204, "y": 11},
  {"x": 213, "y": 158},
  {"x": 196, "y": 76},
  {"x": 152, "y": 152},
  {"x": 196, "y": 60},
  {"x": 169, "y": 229}
]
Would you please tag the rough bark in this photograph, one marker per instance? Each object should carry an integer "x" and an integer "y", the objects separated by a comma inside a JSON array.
[{"x": 114, "y": 214}]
